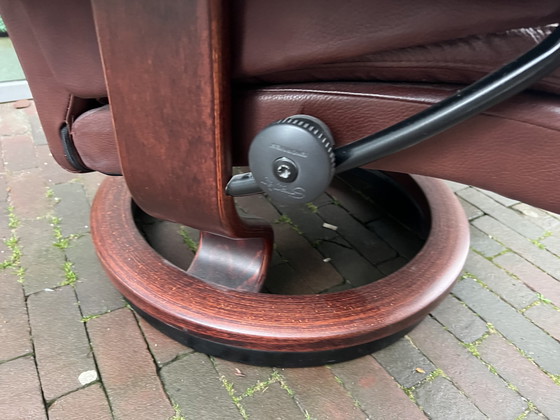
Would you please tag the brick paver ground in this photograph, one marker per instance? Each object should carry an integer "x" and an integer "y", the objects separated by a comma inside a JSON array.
[{"x": 70, "y": 347}]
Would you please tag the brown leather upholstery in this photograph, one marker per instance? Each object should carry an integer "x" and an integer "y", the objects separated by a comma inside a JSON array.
[
  {"x": 273, "y": 36},
  {"x": 95, "y": 140},
  {"x": 461, "y": 61},
  {"x": 327, "y": 40}
]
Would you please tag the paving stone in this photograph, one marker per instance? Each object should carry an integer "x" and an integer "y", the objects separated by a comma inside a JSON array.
[
  {"x": 546, "y": 317},
  {"x": 51, "y": 171},
  {"x": 273, "y": 403},
  {"x": 127, "y": 368},
  {"x": 376, "y": 392},
  {"x": 513, "y": 325},
  {"x": 350, "y": 264},
  {"x": 19, "y": 153},
  {"x": 534, "y": 416},
  {"x": 538, "y": 217},
  {"x": 241, "y": 376},
  {"x": 43, "y": 262},
  {"x": 510, "y": 289},
  {"x": 163, "y": 348},
  {"x": 73, "y": 208},
  {"x": 308, "y": 222},
  {"x": 455, "y": 186},
  {"x": 471, "y": 211},
  {"x": 61, "y": 344},
  {"x": 320, "y": 395},
  {"x": 532, "y": 276},
  {"x": 323, "y": 200},
  {"x": 541, "y": 258},
  {"x": 531, "y": 382},
  {"x": 5, "y": 234},
  {"x": 14, "y": 324},
  {"x": 13, "y": 122},
  {"x": 282, "y": 279},
  {"x": 28, "y": 194},
  {"x": 484, "y": 244},
  {"x": 504, "y": 201},
  {"x": 95, "y": 292},
  {"x": 20, "y": 391},
  {"x": 460, "y": 320},
  {"x": 276, "y": 259},
  {"x": 306, "y": 261},
  {"x": 85, "y": 404},
  {"x": 552, "y": 243},
  {"x": 406, "y": 243},
  {"x": 441, "y": 400},
  {"x": 37, "y": 132},
  {"x": 28, "y": 105},
  {"x": 91, "y": 182},
  {"x": 362, "y": 239},
  {"x": 501, "y": 213},
  {"x": 193, "y": 384},
  {"x": 486, "y": 390},
  {"x": 404, "y": 362},
  {"x": 3, "y": 188},
  {"x": 258, "y": 205},
  {"x": 353, "y": 202}
]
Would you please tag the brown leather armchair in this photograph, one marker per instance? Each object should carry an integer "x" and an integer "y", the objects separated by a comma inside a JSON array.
[{"x": 171, "y": 94}]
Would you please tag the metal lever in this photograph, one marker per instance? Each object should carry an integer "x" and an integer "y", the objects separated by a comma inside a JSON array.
[{"x": 472, "y": 100}]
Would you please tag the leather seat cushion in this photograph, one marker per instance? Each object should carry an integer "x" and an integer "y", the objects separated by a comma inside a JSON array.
[
  {"x": 461, "y": 61},
  {"x": 272, "y": 37}
]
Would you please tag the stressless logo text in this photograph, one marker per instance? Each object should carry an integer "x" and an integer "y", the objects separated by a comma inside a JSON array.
[
  {"x": 289, "y": 151},
  {"x": 297, "y": 193}
]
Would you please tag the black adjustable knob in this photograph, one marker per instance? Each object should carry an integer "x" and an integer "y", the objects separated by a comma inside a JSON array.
[{"x": 292, "y": 160}]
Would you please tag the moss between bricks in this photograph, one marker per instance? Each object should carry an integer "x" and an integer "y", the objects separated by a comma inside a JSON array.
[
  {"x": 13, "y": 244},
  {"x": 341, "y": 383},
  {"x": 530, "y": 408},
  {"x": 284, "y": 219},
  {"x": 188, "y": 240},
  {"x": 260, "y": 386},
  {"x": 69, "y": 274},
  {"x": 312, "y": 207},
  {"x": 61, "y": 241},
  {"x": 410, "y": 390},
  {"x": 537, "y": 242},
  {"x": 178, "y": 415},
  {"x": 236, "y": 400},
  {"x": 88, "y": 318}
]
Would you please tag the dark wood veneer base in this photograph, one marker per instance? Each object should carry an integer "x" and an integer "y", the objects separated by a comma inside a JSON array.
[
  {"x": 271, "y": 358},
  {"x": 281, "y": 330}
]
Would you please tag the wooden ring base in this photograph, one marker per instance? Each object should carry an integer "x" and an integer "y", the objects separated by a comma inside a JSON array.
[{"x": 281, "y": 330}]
